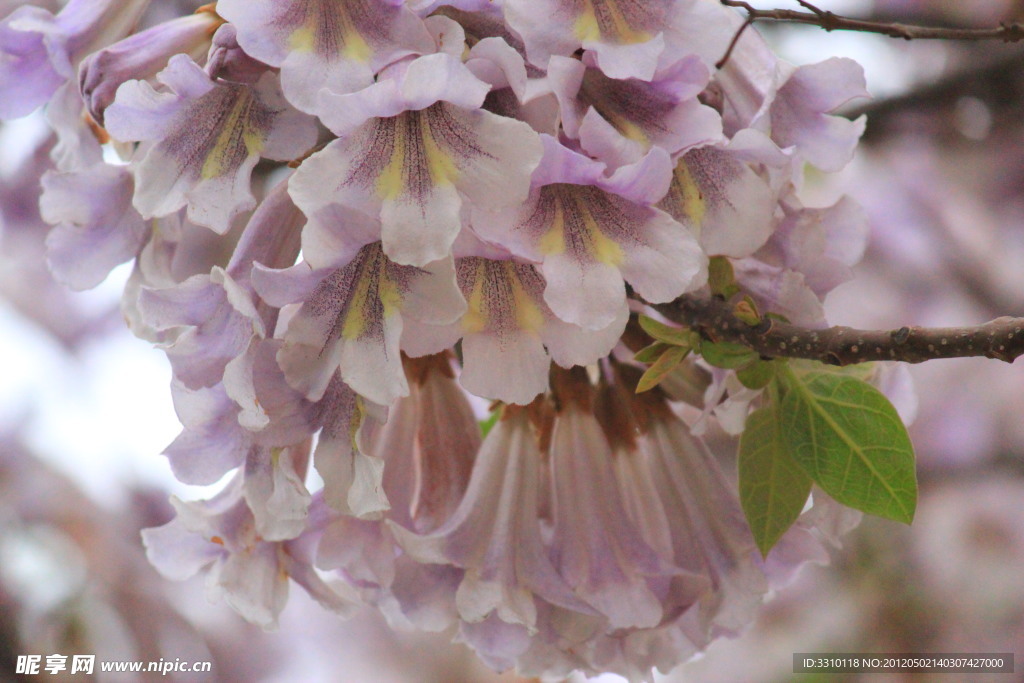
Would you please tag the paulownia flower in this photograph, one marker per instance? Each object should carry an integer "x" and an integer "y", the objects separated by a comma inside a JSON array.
[
  {"x": 593, "y": 232},
  {"x": 214, "y": 316},
  {"x": 630, "y": 38},
  {"x": 495, "y": 533},
  {"x": 822, "y": 243},
  {"x": 353, "y": 476},
  {"x": 810, "y": 253},
  {"x": 218, "y": 536},
  {"x": 446, "y": 441},
  {"x": 412, "y": 148},
  {"x": 40, "y": 51},
  {"x": 141, "y": 56},
  {"x": 509, "y": 334},
  {"x": 351, "y": 317},
  {"x": 334, "y": 44},
  {"x": 95, "y": 225},
  {"x": 619, "y": 120},
  {"x": 206, "y": 167},
  {"x": 595, "y": 546},
  {"x": 225, "y": 422},
  {"x": 427, "y": 444},
  {"x": 717, "y": 194},
  {"x": 710, "y": 536},
  {"x": 799, "y": 113}
]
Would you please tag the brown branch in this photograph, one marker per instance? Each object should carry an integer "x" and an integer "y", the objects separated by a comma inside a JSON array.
[
  {"x": 1006, "y": 32},
  {"x": 1002, "y": 338}
]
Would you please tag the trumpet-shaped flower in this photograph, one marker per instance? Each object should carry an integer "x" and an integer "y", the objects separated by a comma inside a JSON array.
[
  {"x": 336, "y": 45},
  {"x": 95, "y": 225},
  {"x": 412, "y": 148},
  {"x": 717, "y": 194},
  {"x": 495, "y": 533},
  {"x": 593, "y": 233},
  {"x": 142, "y": 56},
  {"x": 218, "y": 537},
  {"x": 39, "y": 51},
  {"x": 204, "y": 167},
  {"x": 509, "y": 334},
  {"x": 351, "y": 318},
  {"x": 619, "y": 120}
]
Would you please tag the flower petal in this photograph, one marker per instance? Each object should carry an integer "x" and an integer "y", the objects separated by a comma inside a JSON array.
[
  {"x": 207, "y": 167},
  {"x": 325, "y": 43}
]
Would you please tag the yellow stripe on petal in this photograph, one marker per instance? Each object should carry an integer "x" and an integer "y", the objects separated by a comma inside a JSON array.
[
  {"x": 528, "y": 314},
  {"x": 443, "y": 171},
  {"x": 356, "y": 48},
  {"x": 330, "y": 35},
  {"x": 587, "y": 28},
  {"x": 476, "y": 316},
  {"x": 390, "y": 295},
  {"x": 356, "y": 316},
  {"x": 689, "y": 196},
  {"x": 625, "y": 127},
  {"x": 605, "y": 249},
  {"x": 355, "y": 421},
  {"x": 553, "y": 241},
  {"x": 302, "y": 39},
  {"x": 614, "y": 29},
  {"x": 235, "y": 130},
  {"x": 391, "y": 182},
  {"x": 602, "y": 248}
]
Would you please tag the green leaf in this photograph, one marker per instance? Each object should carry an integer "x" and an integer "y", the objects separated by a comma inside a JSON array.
[
  {"x": 487, "y": 424},
  {"x": 773, "y": 487},
  {"x": 758, "y": 374},
  {"x": 721, "y": 278},
  {"x": 746, "y": 311},
  {"x": 727, "y": 355},
  {"x": 862, "y": 371},
  {"x": 847, "y": 436},
  {"x": 649, "y": 354},
  {"x": 661, "y": 367},
  {"x": 677, "y": 336}
]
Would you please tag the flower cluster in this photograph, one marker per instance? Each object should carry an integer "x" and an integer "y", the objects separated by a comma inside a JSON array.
[{"x": 324, "y": 198}]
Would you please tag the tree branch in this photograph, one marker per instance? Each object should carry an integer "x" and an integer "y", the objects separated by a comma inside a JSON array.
[
  {"x": 714, "y": 319},
  {"x": 1006, "y": 32}
]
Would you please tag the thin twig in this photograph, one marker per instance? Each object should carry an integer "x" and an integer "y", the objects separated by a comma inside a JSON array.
[
  {"x": 1006, "y": 32},
  {"x": 1002, "y": 338},
  {"x": 732, "y": 43}
]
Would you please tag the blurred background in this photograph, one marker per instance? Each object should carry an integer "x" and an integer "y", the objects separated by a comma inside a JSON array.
[{"x": 85, "y": 412}]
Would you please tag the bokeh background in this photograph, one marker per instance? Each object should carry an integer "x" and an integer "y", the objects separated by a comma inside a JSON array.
[{"x": 85, "y": 412}]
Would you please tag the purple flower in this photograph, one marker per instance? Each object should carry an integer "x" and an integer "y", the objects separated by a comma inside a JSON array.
[
  {"x": 350, "y": 217},
  {"x": 328, "y": 44},
  {"x": 412, "y": 149},
  {"x": 619, "y": 120},
  {"x": 95, "y": 225},
  {"x": 141, "y": 56},
  {"x": 799, "y": 113},
  {"x": 218, "y": 537},
  {"x": 509, "y": 334},
  {"x": 40, "y": 51},
  {"x": 592, "y": 233},
  {"x": 351, "y": 318},
  {"x": 495, "y": 533},
  {"x": 206, "y": 168}
]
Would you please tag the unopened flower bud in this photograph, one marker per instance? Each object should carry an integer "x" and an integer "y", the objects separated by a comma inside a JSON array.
[
  {"x": 39, "y": 51},
  {"x": 142, "y": 56},
  {"x": 227, "y": 61}
]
